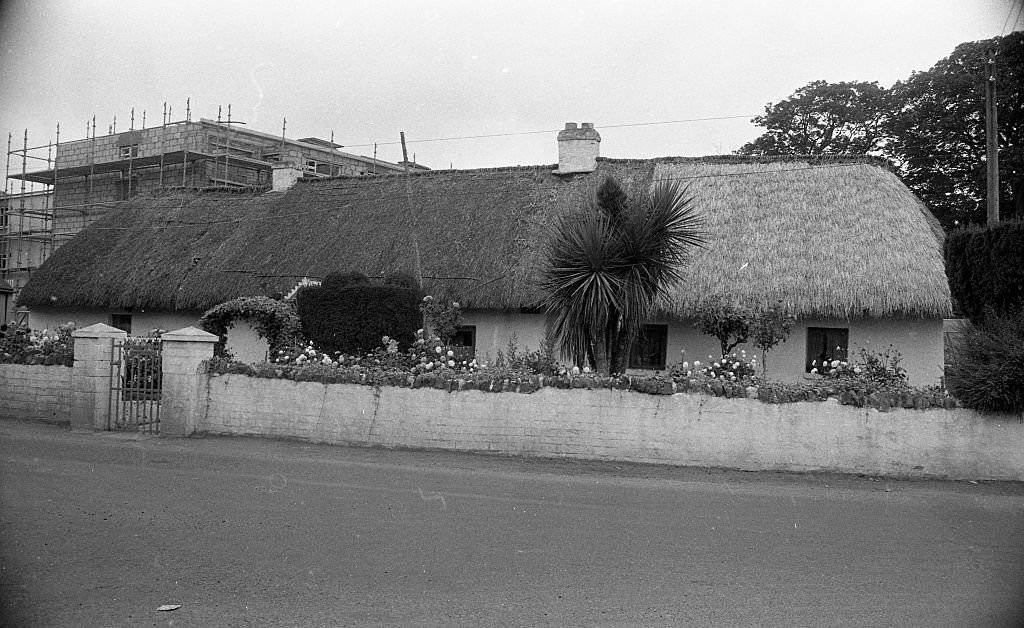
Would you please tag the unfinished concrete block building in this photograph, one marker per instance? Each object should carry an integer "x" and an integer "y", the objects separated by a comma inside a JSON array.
[{"x": 53, "y": 191}]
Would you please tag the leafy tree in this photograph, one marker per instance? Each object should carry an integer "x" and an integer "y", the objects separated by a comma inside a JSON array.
[
  {"x": 931, "y": 127},
  {"x": 824, "y": 119},
  {"x": 939, "y": 131},
  {"x": 768, "y": 329},
  {"x": 609, "y": 263},
  {"x": 728, "y": 322}
]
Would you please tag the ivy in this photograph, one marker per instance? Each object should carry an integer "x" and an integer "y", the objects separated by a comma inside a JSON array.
[{"x": 275, "y": 321}]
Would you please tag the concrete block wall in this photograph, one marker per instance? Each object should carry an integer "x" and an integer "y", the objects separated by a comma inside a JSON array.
[
  {"x": 35, "y": 392},
  {"x": 679, "y": 429}
]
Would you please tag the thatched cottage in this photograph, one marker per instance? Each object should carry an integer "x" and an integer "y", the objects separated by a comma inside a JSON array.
[{"x": 843, "y": 244}]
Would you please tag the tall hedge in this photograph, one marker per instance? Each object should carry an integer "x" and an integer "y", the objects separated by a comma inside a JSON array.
[
  {"x": 352, "y": 316},
  {"x": 985, "y": 267},
  {"x": 986, "y": 365}
]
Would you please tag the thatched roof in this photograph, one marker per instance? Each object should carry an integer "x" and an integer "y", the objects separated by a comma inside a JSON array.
[{"x": 828, "y": 237}]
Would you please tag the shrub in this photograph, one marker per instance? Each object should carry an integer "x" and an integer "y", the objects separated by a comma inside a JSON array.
[
  {"x": 350, "y": 316},
  {"x": 986, "y": 366},
  {"x": 274, "y": 320},
  {"x": 24, "y": 346},
  {"x": 339, "y": 281}
]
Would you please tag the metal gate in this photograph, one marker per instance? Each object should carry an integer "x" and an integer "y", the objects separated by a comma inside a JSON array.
[{"x": 134, "y": 402}]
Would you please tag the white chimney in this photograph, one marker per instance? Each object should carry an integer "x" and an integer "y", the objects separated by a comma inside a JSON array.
[
  {"x": 284, "y": 177},
  {"x": 578, "y": 148}
]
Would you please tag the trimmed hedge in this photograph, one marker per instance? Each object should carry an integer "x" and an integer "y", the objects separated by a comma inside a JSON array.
[
  {"x": 350, "y": 316},
  {"x": 985, "y": 268}
]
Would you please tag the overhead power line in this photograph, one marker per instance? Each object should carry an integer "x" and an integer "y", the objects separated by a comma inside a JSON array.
[{"x": 547, "y": 131}]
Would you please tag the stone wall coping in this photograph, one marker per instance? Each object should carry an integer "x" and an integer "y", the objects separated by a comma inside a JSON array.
[
  {"x": 189, "y": 334},
  {"x": 99, "y": 330}
]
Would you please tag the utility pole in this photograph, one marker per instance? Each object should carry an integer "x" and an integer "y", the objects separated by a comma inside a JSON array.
[
  {"x": 418, "y": 269},
  {"x": 991, "y": 140}
]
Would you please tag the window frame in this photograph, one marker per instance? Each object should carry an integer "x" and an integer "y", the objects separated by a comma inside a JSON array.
[
  {"x": 465, "y": 352},
  {"x": 660, "y": 346},
  {"x": 839, "y": 336},
  {"x": 118, "y": 320}
]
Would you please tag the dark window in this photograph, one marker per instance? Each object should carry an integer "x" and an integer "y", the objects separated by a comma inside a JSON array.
[
  {"x": 825, "y": 344},
  {"x": 129, "y": 152},
  {"x": 129, "y": 187},
  {"x": 464, "y": 342},
  {"x": 122, "y": 322},
  {"x": 649, "y": 348}
]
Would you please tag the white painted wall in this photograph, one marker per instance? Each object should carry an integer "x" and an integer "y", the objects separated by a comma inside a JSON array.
[
  {"x": 920, "y": 341},
  {"x": 246, "y": 344},
  {"x": 142, "y": 321},
  {"x": 680, "y": 429}
]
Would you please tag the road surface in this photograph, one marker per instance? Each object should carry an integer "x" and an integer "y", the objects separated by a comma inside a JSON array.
[{"x": 102, "y": 529}]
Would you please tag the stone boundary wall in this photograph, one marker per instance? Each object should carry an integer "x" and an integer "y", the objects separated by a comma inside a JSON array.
[
  {"x": 680, "y": 429},
  {"x": 35, "y": 392}
]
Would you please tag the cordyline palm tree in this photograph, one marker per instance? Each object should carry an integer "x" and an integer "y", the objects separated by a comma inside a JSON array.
[{"x": 608, "y": 266}]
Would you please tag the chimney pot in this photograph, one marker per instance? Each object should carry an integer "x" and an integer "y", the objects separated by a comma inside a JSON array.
[{"x": 578, "y": 148}]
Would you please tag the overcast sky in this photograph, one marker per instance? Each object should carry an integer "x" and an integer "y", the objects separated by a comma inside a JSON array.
[{"x": 444, "y": 69}]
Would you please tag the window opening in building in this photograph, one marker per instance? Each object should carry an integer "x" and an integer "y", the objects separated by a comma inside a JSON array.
[
  {"x": 649, "y": 348},
  {"x": 128, "y": 187},
  {"x": 825, "y": 344},
  {"x": 464, "y": 343},
  {"x": 122, "y": 322},
  {"x": 130, "y": 151}
]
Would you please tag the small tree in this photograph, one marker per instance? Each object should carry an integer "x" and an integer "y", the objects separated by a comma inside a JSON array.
[
  {"x": 768, "y": 329},
  {"x": 727, "y": 321},
  {"x": 442, "y": 316},
  {"x": 610, "y": 263}
]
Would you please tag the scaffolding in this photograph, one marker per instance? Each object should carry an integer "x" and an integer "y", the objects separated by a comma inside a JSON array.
[{"x": 54, "y": 190}]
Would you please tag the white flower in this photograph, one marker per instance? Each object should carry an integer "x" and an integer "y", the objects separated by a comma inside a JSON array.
[
  {"x": 430, "y": 365},
  {"x": 438, "y": 350},
  {"x": 814, "y": 371},
  {"x": 835, "y": 364},
  {"x": 575, "y": 370},
  {"x": 451, "y": 363},
  {"x": 686, "y": 366},
  {"x": 856, "y": 370},
  {"x": 455, "y": 304},
  {"x": 696, "y": 364},
  {"x": 451, "y": 353},
  {"x": 586, "y": 369}
]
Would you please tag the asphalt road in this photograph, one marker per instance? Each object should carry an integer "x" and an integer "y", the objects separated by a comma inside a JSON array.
[{"x": 102, "y": 529}]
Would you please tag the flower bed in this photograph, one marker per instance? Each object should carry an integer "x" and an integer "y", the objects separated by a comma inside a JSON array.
[
  {"x": 24, "y": 346},
  {"x": 429, "y": 364}
]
